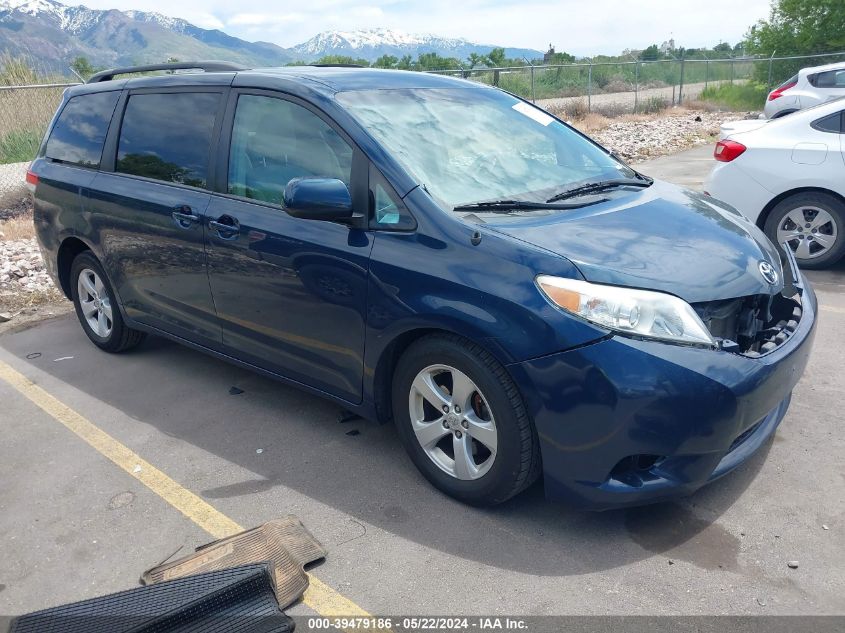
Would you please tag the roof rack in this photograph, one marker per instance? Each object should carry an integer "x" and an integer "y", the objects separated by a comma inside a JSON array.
[{"x": 209, "y": 67}]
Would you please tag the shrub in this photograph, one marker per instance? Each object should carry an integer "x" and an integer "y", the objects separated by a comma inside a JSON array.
[
  {"x": 652, "y": 105},
  {"x": 737, "y": 96},
  {"x": 20, "y": 146}
]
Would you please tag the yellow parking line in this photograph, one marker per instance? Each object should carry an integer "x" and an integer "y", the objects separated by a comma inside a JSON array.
[{"x": 319, "y": 596}]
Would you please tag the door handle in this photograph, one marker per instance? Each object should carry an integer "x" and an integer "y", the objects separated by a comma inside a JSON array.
[
  {"x": 226, "y": 226},
  {"x": 184, "y": 217}
]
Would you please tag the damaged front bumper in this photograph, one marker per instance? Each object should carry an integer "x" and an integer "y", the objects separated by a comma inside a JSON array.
[{"x": 627, "y": 422}]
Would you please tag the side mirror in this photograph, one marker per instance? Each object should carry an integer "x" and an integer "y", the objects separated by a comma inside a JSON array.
[{"x": 318, "y": 199}]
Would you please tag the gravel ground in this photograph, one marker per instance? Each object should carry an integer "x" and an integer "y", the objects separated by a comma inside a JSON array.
[
  {"x": 12, "y": 187},
  {"x": 23, "y": 281},
  {"x": 638, "y": 139}
]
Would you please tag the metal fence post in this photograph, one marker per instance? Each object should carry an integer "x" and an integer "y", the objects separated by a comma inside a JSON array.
[
  {"x": 590, "y": 88},
  {"x": 533, "y": 93},
  {"x": 732, "y": 70},
  {"x": 771, "y": 59},
  {"x": 636, "y": 84},
  {"x": 706, "y": 73},
  {"x": 681, "y": 85}
]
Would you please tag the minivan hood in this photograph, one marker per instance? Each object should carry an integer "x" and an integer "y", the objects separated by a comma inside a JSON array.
[{"x": 662, "y": 238}]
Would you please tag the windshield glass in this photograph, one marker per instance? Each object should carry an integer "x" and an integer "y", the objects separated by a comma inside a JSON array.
[{"x": 470, "y": 145}]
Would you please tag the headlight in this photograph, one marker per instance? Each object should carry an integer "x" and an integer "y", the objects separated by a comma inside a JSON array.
[{"x": 636, "y": 312}]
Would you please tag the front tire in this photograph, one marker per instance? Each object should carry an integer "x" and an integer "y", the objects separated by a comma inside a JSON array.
[
  {"x": 96, "y": 306},
  {"x": 813, "y": 224},
  {"x": 463, "y": 422}
]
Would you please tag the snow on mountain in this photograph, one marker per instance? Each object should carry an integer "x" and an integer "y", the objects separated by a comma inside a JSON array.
[
  {"x": 373, "y": 43},
  {"x": 56, "y": 33},
  {"x": 174, "y": 24},
  {"x": 373, "y": 38}
]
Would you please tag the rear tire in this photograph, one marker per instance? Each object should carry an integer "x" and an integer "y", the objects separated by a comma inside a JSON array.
[
  {"x": 476, "y": 443},
  {"x": 96, "y": 306},
  {"x": 813, "y": 223}
]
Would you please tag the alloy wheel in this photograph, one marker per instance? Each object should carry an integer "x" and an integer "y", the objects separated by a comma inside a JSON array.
[
  {"x": 95, "y": 303},
  {"x": 452, "y": 422},
  {"x": 810, "y": 231}
]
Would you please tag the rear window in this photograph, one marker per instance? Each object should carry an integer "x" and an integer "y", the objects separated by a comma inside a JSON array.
[
  {"x": 168, "y": 136},
  {"x": 828, "y": 79},
  {"x": 80, "y": 131}
]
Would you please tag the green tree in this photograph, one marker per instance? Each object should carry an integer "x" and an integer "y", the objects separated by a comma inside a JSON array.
[
  {"x": 433, "y": 61},
  {"x": 342, "y": 59},
  {"x": 406, "y": 63},
  {"x": 386, "y": 61},
  {"x": 722, "y": 47},
  {"x": 797, "y": 27},
  {"x": 474, "y": 60},
  {"x": 82, "y": 67},
  {"x": 562, "y": 58},
  {"x": 497, "y": 57},
  {"x": 650, "y": 54}
]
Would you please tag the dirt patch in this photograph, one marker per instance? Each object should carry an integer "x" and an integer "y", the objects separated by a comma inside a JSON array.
[
  {"x": 16, "y": 209},
  {"x": 25, "y": 317}
]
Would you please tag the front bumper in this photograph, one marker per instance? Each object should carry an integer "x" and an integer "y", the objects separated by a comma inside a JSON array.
[{"x": 627, "y": 422}]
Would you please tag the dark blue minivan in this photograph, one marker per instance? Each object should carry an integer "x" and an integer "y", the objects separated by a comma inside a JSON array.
[{"x": 434, "y": 252}]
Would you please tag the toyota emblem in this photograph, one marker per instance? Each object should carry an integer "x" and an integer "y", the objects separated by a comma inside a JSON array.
[{"x": 769, "y": 273}]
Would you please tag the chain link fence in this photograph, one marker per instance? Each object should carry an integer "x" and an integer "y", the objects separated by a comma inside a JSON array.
[
  {"x": 25, "y": 112},
  {"x": 636, "y": 85}
]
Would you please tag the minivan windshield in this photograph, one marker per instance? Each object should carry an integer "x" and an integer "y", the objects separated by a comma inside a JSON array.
[{"x": 470, "y": 145}]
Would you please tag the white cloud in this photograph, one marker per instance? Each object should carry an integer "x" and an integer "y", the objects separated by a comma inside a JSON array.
[
  {"x": 601, "y": 26},
  {"x": 207, "y": 21},
  {"x": 263, "y": 19}
]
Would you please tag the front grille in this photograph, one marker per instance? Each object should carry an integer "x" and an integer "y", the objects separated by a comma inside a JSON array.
[{"x": 753, "y": 325}]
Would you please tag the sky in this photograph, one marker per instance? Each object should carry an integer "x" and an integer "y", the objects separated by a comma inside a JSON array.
[{"x": 576, "y": 26}]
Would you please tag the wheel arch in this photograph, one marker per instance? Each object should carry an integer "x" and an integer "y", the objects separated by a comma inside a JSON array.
[
  {"x": 382, "y": 385},
  {"x": 767, "y": 210},
  {"x": 69, "y": 249}
]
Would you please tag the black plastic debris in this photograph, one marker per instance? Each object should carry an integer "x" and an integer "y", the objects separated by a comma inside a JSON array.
[
  {"x": 353, "y": 432},
  {"x": 234, "y": 391},
  {"x": 347, "y": 416},
  {"x": 284, "y": 543},
  {"x": 235, "y": 600}
]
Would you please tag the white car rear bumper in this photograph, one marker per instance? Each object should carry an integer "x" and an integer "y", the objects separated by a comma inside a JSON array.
[{"x": 730, "y": 184}]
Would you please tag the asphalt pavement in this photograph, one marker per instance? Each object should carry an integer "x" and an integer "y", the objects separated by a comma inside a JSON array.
[{"x": 76, "y": 523}]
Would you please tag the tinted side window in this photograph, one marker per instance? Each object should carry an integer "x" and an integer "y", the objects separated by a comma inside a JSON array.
[
  {"x": 274, "y": 141},
  {"x": 830, "y": 123},
  {"x": 80, "y": 131},
  {"x": 829, "y": 79},
  {"x": 168, "y": 136}
]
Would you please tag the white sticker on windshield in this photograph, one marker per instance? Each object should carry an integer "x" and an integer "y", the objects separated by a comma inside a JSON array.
[{"x": 533, "y": 113}]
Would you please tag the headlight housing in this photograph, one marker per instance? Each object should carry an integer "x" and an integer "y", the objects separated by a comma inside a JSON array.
[{"x": 634, "y": 312}]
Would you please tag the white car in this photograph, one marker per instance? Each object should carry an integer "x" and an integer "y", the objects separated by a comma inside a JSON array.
[
  {"x": 788, "y": 177},
  {"x": 810, "y": 87}
]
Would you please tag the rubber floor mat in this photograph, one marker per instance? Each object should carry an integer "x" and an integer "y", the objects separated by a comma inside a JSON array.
[
  {"x": 238, "y": 600},
  {"x": 284, "y": 543}
]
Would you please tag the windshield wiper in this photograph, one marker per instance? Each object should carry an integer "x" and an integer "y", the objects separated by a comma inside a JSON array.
[
  {"x": 503, "y": 206},
  {"x": 601, "y": 185}
]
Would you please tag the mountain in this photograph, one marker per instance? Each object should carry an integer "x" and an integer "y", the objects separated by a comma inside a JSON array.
[
  {"x": 370, "y": 44},
  {"x": 51, "y": 35}
]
